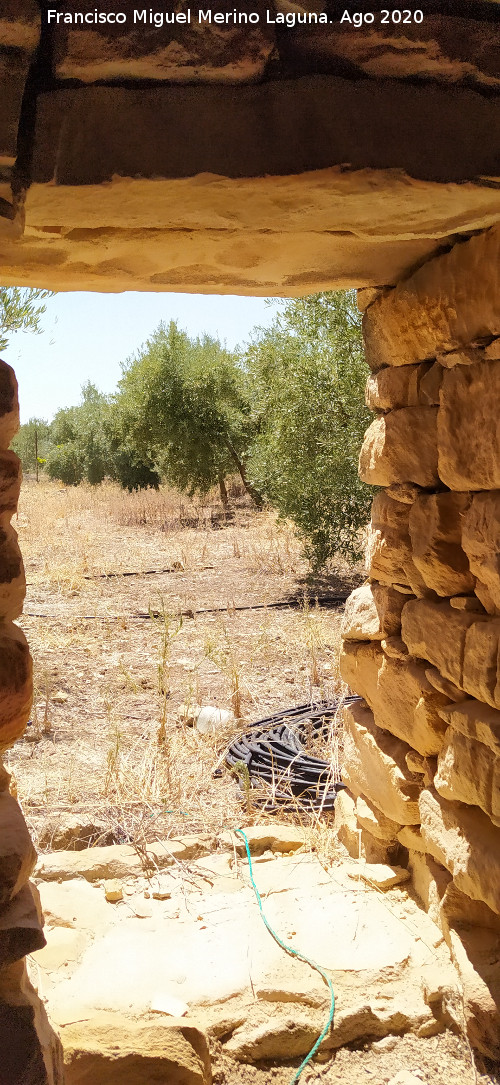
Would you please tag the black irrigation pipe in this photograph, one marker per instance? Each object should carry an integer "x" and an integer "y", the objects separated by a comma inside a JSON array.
[
  {"x": 327, "y": 601},
  {"x": 271, "y": 752}
]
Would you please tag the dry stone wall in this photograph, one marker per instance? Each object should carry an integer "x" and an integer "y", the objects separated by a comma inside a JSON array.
[
  {"x": 422, "y": 635},
  {"x": 30, "y": 1051}
]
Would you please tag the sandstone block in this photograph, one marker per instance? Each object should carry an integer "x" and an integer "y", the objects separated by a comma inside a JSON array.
[
  {"x": 372, "y": 612},
  {"x": 31, "y": 1051},
  {"x": 438, "y": 633},
  {"x": 492, "y": 351},
  {"x": 12, "y": 579},
  {"x": 17, "y": 854},
  {"x": 475, "y": 954},
  {"x": 178, "y": 53},
  {"x": 121, "y": 860},
  {"x": 430, "y": 881},
  {"x": 376, "y": 823},
  {"x": 481, "y": 541},
  {"x": 20, "y": 926},
  {"x": 430, "y": 385},
  {"x": 375, "y": 767},
  {"x": 410, "y": 837},
  {"x": 16, "y": 688},
  {"x": 468, "y": 435},
  {"x": 476, "y": 721},
  {"x": 468, "y": 771},
  {"x": 111, "y": 1049},
  {"x": 399, "y": 694},
  {"x": 435, "y": 526},
  {"x": 401, "y": 447},
  {"x": 443, "y": 685},
  {"x": 391, "y": 388},
  {"x": 275, "y": 837},
  {"x": 457, "y": 908},
  {"x": 429, "y": 312},
  {"x": 463, "y": 839},
  {"x": 358, "y": 841},
  {"x": 384, "y": 877},
  {"x": 388, "y": 547},
  {"x": 9, "y": 405},
  {"x": 10, "y": 484}
]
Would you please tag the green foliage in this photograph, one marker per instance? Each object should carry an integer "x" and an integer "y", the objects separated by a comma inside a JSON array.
[
  {"x": 80, "y": 448},
  {"x": 183, "y": 408},
  {"x": 32, "y": 443},
  {"x": 308, "y": 374},
  {"x": 20, "y": 311}
]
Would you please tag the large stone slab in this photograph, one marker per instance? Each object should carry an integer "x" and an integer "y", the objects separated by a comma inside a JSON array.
[
  {"x": 475, "y": 953},
  {"x": 401, "y": 446},
  {"x": 121, "y": 860},
  {"x": 182, "y": 52},
  {"x": 481, "y": 542},
  {"x": 17, "y": 854},
  {"x": 375, "y": 767},
  {"x": 400, "y": 696},
  {"x": 372, "y": 612},
  {"x": 429, "y": 312},
  {"x": 467, "y": 431},
  {"x": 9, "y": 405},
  {"x": 392, "y": 388},
  {"x": 468, "y": 771},
  {"x": 208, "y": 947},
  {"x": 464, "y": 840},
  {"x": 435, "y": 526}
]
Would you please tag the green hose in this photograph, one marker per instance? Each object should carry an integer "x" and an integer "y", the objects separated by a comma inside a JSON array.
[{"x": 301, "y": 957}]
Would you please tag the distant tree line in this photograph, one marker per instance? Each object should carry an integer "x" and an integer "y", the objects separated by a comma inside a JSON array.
[{"x": 286, "y": 414}]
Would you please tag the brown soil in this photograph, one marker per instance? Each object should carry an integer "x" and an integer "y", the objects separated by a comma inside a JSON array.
[{"x": 441, "y": 1060}]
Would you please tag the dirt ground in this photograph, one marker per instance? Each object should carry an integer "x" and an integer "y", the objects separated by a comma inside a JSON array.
[
  {"x": 106, "y": 740},
  {"x": 440, "y": 1060}
]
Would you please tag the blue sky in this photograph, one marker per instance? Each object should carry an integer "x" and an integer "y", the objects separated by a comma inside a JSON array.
[{"x": 86, "y": 336}]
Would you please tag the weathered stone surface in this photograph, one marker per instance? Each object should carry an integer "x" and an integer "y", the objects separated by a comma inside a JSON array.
[
  {"x": 20, "y": 926},
  {"x": 360, "y": 842},
  {"x": 399, "y": 694},
  {"x": 19, "y": 33},
  {"x": 179, "y": 53},
  {"x": 9, "y": 405},
  {"x": 440, "y": 48},
  {"x": 461, "y": 644},
  {"x": 467, "y": 602},
  {"x": 430, "y": 313},
  {"x": 443, "y": 685},
  {"x": 20, "y": 24},
  {"x": 15, "y": 684},
  {"x": 475, "y": 953},
  {"x": 469, "y": 771},
  {"x": 465, "y": 356},
  {"x": 372, "y": 819},
  {"x": 391, "y": 388},
  {"x": 120, "y": 860},
  {"x": 401, "y": 447},
  {"x": 481, "y": 541},
  {"x": 375, "y": 767},
  {"x": 17, "y": 854},
  {"x": 10, "y": 485},
  {"x": 73, "y": 832},
  {"x": 372, "y": 612},
  {"x": 435, "y": 525},
  {"x": 31, "y": 1051},
  {"x": 109, "y": 1049},
  {"x": 430, "y": 881},
  {"x": 464, "y": 840},
  {"x": 275, "y": 837},
  {"x": 467, "y": 431},
  {"x": 384, "y": 877},
  {"x": 430, "y": 385},
  {"x": 475, "y": 721},
  {"x": 388, "y": 546},
  {"x": 492, "y": 351},
  {"x": 410, "y": 837},
  {"x": 12, "y": 579}
]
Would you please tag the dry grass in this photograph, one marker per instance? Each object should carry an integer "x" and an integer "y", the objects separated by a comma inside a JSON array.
[{"x": 107, "y": 741}]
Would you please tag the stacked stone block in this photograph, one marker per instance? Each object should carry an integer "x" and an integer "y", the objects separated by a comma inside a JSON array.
[
  {"x": 422, "y": 635},
  {"x": 29, "y": 1050}
]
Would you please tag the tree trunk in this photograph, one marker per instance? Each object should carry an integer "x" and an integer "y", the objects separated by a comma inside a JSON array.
[
  {"x": 223, "y": 491},
  {"x": 250, "y": 489}
]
